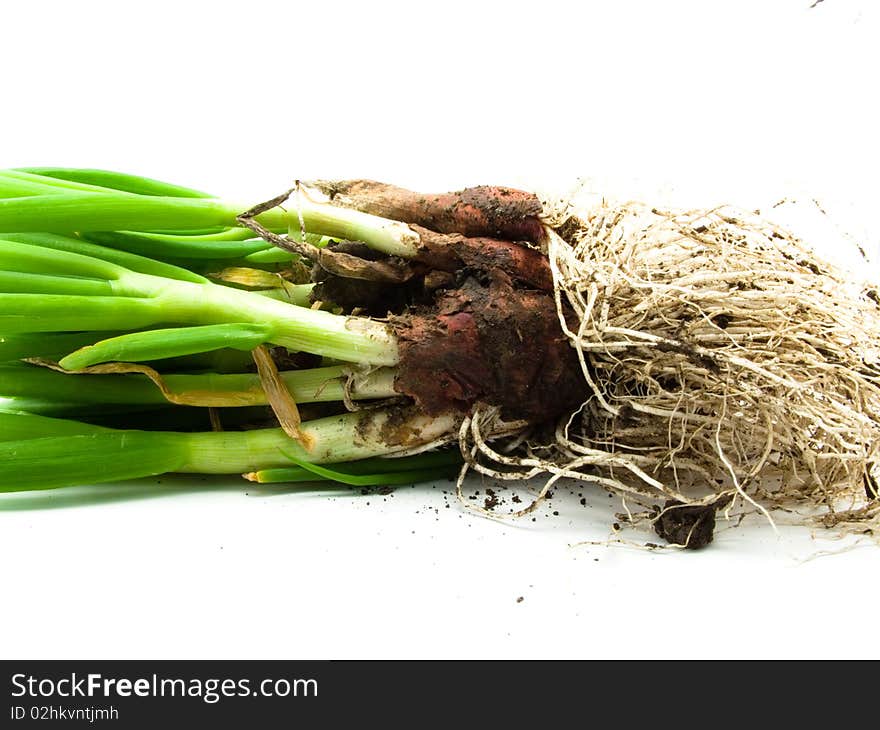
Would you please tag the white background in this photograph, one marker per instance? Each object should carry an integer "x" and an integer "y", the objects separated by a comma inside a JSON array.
[{"x": 741, "y": 100}]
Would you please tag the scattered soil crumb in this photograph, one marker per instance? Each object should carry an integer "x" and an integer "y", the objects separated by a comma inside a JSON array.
[
  {"x": 491, "y": 501},
  {"x": 382, "y": 490}
]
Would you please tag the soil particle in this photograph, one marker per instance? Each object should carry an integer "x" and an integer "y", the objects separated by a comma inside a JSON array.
[
  {"x": 382, "y": 490},
  {"x": 691, "y": 526},
  {"x": 570, "y": 230},
  {"x": 811, "y": 266},
  {"x": 491, "y": 501}
]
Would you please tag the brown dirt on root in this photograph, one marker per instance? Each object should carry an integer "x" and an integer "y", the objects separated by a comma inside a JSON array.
[
  {"x": 485, "y": 210},
  {"x": 489, "y": 342}
]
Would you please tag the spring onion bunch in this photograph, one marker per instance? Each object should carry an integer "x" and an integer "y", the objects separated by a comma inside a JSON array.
[{"x": 692, "y": 361}]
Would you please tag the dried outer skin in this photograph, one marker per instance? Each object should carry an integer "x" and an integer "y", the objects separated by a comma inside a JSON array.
[
  {"x": 452, "y": 251},
  {"x": 482, "y": 211},
  {"x": 491, "y": 344}
]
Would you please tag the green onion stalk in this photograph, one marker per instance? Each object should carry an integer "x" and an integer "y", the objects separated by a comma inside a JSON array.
[
  {"x": 56, "y": 284},
  {"x": 99, "y": 267},
  {"x": 314, "y": 385},
  {"x": 37, "y": 452},
  {"x": 63, "y": 206}
]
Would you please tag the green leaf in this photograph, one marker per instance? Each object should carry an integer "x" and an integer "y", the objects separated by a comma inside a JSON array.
[
  {"x": 15, "y": 185},
  {"x": 72, "y": 313},
  {"x": 115, "y": 181},
  {"x": 130, "y": 261},
  {"x": 40, "y": 383},
  {"x": 77, "y": 211},
  {"x": 93, "y": 458},
  {"x": 42, "y": 259},
  {"x": 230, "y": 243},
  {"x": 47, "y": 345},
  {"x": 12, "y": 282},
  {"x": 368, "y": 472},
  {"x": 19, "y": 426},
  {"x": 164, "y": 343}
]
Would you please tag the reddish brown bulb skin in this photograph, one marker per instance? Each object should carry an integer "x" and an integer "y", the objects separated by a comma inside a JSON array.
[{"x": 484, "y": 211}]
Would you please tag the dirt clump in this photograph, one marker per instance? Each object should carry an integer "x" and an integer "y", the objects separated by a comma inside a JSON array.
[{"x": 692, "y": 526}]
